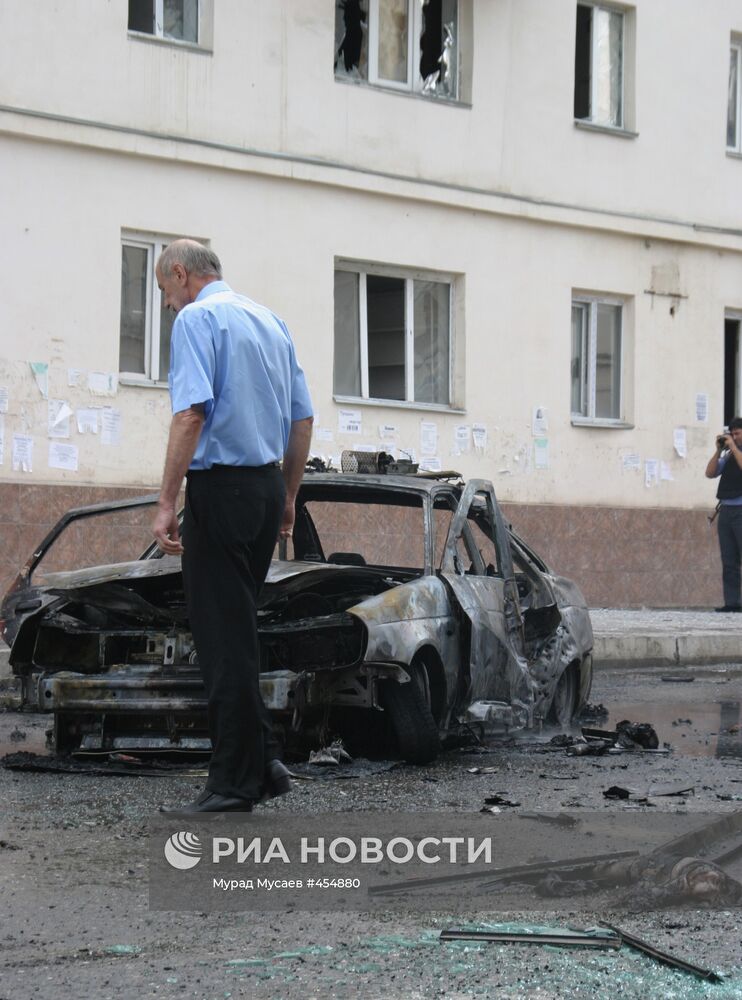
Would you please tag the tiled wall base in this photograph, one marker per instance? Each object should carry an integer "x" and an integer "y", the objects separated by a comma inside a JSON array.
[{"x": 620, "y": 557}]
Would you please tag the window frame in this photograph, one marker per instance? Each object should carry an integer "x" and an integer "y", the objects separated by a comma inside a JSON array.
[
  {"x": 735, "y": 45},
  {"x": 154, "y": 245},
  {"x": 409, "y": 276},
  {"x": 589, "y": 363},
  {"x": 591, "y": 120},
  {"x": 159, "y": 27},
  {"x": 414, "y": 83}
]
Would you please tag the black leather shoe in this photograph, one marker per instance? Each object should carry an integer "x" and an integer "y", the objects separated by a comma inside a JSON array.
[
  {"x": 276, "y": 780},
  {"x": 210, "y": 802},
  {"x": 728, "y": 608}
]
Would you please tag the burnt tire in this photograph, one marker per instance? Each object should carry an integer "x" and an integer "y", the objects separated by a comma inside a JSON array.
[
  {"x": 564, "y": 704},
  {"x": 412, "y": 730}
]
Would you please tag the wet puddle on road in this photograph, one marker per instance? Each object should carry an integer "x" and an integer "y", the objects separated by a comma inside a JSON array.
[{"x": 698, "y": 729}]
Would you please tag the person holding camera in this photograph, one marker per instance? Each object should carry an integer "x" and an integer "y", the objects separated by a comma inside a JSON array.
[{"x": 726, "y": 462}]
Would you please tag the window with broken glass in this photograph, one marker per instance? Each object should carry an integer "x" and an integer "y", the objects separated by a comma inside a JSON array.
[
  {"x": 392, "y": 337},
  {"x": 409, "y": 45},
  {"x": 174, "y": 20},
  {"x": 599, "y": 65},
  {"x": 734, "y": 102},
  {"x": 596, "y": 359},
  {"x": 146, "y": 325}
]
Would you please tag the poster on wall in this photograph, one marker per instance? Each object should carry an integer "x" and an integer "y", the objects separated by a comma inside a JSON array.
[{"x": 22, "y": 453}]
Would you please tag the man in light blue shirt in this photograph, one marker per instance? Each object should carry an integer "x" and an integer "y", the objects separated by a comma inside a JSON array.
[{"x": 240, "y": 407}]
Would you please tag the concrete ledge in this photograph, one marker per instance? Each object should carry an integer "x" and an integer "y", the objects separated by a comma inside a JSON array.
[{"x": 666, "y": 650}]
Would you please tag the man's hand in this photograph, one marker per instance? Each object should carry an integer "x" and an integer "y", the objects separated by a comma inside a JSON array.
[
  {"x": 166, "y": 531},
  {"x": 287, "y": 522}
]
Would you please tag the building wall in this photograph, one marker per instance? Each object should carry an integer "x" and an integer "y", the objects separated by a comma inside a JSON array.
[{"x": 506, "y": 195}]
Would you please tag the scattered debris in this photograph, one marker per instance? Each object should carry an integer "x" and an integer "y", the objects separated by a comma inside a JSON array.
[
  {"x": 672, "y": 788},
  {"x": 17, "y": 736},
  {"x": 662, "y": 956},
  {"x": 499, "y": 800},
  {"x": 483, "y": 770},
  {"x": 631, "y": 735},
  {"x": 682, "y": 722},
  {"x": 565, "y": 938},
  {"x": 616, "y": 792},
  {"x": 678, "y": 679},
  {"x": 333, "y": 755},
  {"x": 25, "y": 761},
  {"x": 590, "y": 712}
]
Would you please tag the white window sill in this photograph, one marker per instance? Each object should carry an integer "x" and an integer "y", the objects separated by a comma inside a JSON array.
[
  {"x": 453, "y": 102},
  {"x": 735, "y": 154},
  {"x": 397, "y": 404},
  {"x": 141, "y": 383},
  {"x": 589, "y": 126},
  {"x": 144, "y": 36},
  {"x": 603, "y": 423}
]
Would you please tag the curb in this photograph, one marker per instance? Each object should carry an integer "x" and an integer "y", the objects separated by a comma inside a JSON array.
[{"x": 666, "y": 650}]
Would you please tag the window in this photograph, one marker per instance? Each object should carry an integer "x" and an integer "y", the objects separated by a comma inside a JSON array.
[
  {"x": 146, "y": 325},
  {"x": 175, "y": 20},
  {"x": 734, "y": 112},
  {"x": 599, "y": 65},
  {"x": 596, "y": 359},
  {"x": 409, "y": 45},
  {"x": 392, "y": 337}
]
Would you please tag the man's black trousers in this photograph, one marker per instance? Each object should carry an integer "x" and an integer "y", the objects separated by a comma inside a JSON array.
[
  {"x": 730, "y": 547},
  {"x": 230, "y": 528}
]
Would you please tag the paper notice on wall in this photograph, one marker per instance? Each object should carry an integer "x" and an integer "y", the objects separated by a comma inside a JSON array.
[
  {"x": 87, "y": 420},
  {"x": 74, "y": 376},
  {"x": 323, "y": 434},
  {"x": 651, "y": 472},
  {"x": 388, "y": 432},
  {"x": 350, "y": 422},
  {"x": 428, "y": 437},
  {"x": 702, "y": 407},
  {"x": 110, "y": 426},
  {"x": 541, "y": 453},
  {"x": 631, "y": 462},
  {"x": 4, "y": 398},
  {"x": 431, "y": 464},
  {"x": 680, "y": 441},
  {"x": 62, "y": 456},
  {"x": 40, "y": 372},
  {"x": 479, "y": 436},
  {"x": 22, "y": 453},
  {"x": 666, "y": 472},
  {"x": 103, "y": 383},
  {"x": 2, "y": 439},
  {"x": 539, "y": 422},
  {"x": 462, "y": 439},
  {"x": 365, "y": 447},
  {"x": 58, "y": 422}
]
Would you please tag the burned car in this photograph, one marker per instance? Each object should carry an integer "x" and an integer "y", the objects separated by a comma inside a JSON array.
[{"x": 404, "y": 610}]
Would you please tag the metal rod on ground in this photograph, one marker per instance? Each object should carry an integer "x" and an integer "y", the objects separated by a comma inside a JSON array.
[
  {"x": 555, "y": 938},
  {"x": 663, "y": 956}
]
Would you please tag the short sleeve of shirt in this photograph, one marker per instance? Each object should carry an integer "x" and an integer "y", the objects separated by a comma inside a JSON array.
[
  {"x": 192, "y": 362},
  {"x": 301, "y": 402}
]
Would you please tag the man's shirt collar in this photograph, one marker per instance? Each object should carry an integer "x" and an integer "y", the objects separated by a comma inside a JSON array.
[{"x": 212, "y": 288}]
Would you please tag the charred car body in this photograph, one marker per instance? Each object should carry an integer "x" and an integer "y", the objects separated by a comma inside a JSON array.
[{"x": 405, "y": 610}]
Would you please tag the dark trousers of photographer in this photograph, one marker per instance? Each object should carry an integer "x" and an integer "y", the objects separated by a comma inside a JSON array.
[{"x": 730, "y": 547}]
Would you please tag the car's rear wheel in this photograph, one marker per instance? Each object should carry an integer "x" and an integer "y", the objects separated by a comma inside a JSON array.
[
  {"x": 412, "y": 729},
  {"x": 564, "y": 705}
]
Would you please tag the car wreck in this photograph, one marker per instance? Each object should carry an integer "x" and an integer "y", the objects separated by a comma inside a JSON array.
[{"x": 403, "y": 611}]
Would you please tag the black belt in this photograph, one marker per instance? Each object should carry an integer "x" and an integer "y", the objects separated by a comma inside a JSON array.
[{"x": 230, "y": 470}]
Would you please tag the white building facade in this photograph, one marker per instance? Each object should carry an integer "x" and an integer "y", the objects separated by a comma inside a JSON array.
[{"x": 505, "y": 234}]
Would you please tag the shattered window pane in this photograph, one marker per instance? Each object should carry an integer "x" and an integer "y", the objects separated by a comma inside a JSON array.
[
  {"x": 351, "y": 39},
  {"x": 608, "y": 362},
  {"x": 347, "y": 371},
  {"x": 134, "y": 270},
  {"x": 380, "y": 534},
  {"x": 733, "y": 99},
  {"x": 431, "y": 321},
  {"x": 180, "y": 20},
  {"x": 579, "y": 359},
  {"x": 386, "y": 337},
  {"x": 394, "y": 30},
  {"x": 608, "y": 29},
  {"x": 599, "y": 44},
  {"x": 438, "y": 49},
  {"x": 142, "y": 16}
]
